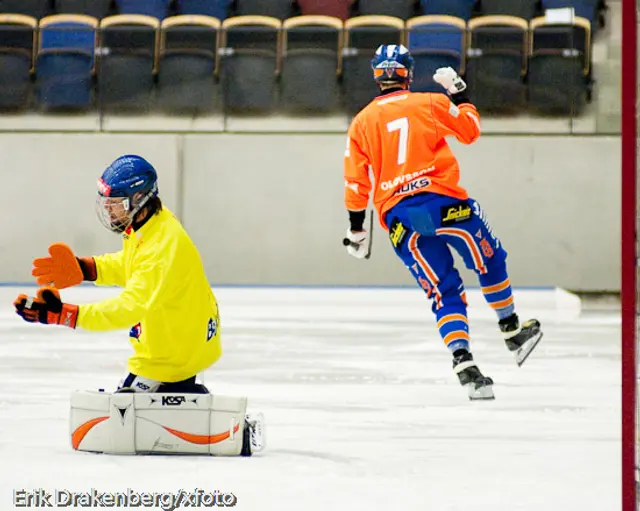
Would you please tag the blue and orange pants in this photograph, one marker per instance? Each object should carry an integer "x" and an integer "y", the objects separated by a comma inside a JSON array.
[{"x": 423, "y": 229}]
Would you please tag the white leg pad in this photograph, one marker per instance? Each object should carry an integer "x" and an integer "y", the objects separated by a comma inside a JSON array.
[{"x": 137, "y": 423}]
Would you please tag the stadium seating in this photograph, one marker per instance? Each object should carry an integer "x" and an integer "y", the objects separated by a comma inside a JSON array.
[
  {"x": 336, "y": 8},
  {"x": 496, "y": 62},
  {"x": 559, "y": 65},
  {"x": 458, "y": 8},
  {"x": 127, "y": 61},
  {"x": 402, "y": 9},
  {"x": 310, "y": 63},
  {"x": 281, "y": 9},
  {"x": 249, "y": 63},
  {"x": 217, "y": 8},
  {"x": 187, "y": 63},
  {"x": 363, "y": 34},
  {"x": 97, "y": 8},
  {"x": 297, "y": 56},
  {"x": 156, "y": 8},
  {"x": 17, "y": 46},
  {"x": 434, "y": 42},
  {"x": 34, "y": 8},
  {"x": 65, "y": 60}
]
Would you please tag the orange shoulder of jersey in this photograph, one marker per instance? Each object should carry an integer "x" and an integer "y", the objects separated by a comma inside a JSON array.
[{"x": 398, "y": 140}]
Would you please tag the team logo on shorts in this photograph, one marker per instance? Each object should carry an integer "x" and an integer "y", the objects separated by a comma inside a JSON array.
[
  {"x": 455, "y": 213},
  {"x": 397, "y": 233}
]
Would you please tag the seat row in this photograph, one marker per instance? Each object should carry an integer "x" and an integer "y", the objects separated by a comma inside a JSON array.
[
  {"x": 282, "y": 9},
  {"x": 248, "y": 54}
]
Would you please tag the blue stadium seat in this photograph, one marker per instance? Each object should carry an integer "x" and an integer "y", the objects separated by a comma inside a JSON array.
[
  {"x": 156, "y": 8},
  {"x": 65, "y": 60},
  {"x": 17, "y": 41},
  {"x": 458, "y": 8},
  {"x": 587, "y": 9},
  {"x": 215, "y": 8},
  {"x": 435, "y": 41}
]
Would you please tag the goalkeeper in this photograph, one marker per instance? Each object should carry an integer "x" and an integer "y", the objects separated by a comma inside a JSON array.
[{"x": 166, "y": 301}]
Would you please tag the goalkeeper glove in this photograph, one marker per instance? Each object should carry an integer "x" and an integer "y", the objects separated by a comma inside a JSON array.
[
  {"x": 63, "y": 269},
  {"x": 46, "y": 308}
]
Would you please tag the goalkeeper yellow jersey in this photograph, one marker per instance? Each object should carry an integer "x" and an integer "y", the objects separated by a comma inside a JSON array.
[{"x": 167, "y": 301}]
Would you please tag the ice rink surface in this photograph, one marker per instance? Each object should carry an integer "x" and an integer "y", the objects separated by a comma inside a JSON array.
[{"x": 363, "y": 411}]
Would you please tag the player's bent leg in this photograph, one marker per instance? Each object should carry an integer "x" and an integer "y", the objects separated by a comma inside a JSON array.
[
  {"x": 431, "y": 263},
  {"x": 168, "y": 423},
  {"x": 483, "y": 253}
]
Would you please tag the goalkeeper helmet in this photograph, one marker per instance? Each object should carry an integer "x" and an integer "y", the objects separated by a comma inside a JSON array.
[
  {"x": 123, "y": 190},
  {"x": 391, "y": 64}
]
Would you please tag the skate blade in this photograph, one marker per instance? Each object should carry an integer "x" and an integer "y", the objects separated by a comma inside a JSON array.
[
  {"x": 257, "y": 433},
  {"x": 480, "y": 394},
  {"x": 527, "y": 348}
]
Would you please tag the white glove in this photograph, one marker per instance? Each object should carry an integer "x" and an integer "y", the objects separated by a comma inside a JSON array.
[
  {"x": 449, "y": 79},
  {"x": 359, "y": 243}
]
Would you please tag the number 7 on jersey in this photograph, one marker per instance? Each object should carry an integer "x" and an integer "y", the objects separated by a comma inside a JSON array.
[{"x": 401, "y": 125}]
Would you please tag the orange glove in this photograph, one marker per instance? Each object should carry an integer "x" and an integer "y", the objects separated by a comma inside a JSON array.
[
  {"x": 46, "y": 308},
  {"x": 63, "y": 269}
]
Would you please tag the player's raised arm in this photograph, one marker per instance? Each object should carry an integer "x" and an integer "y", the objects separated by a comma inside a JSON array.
[{"x": 456, "y": 115}]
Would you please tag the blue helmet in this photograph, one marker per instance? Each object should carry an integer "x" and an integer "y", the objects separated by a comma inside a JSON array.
[
  {"x": 123, "y": 189},
  {"x": 392, "y": 63}
]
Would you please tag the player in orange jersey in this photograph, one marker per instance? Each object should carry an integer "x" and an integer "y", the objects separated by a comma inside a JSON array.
[{"x": 400, "y": 139}]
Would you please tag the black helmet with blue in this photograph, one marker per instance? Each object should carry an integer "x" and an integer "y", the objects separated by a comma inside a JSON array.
[
  {"x": 392, "y": 63},
  {"x": 123, "y": 190}
]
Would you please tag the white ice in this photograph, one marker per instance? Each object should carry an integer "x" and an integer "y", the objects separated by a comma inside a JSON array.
[{"x": 363, "y": 410}]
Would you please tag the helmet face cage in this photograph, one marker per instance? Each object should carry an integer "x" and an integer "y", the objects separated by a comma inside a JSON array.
[
  {"x": 117, "y": 213},
  {"x": 113, "y": 213}
]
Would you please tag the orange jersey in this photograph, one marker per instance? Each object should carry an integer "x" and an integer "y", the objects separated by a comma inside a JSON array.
[{"x": 400, "y": 138}]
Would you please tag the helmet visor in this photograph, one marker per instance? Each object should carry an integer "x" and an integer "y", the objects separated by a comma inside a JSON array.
[{"x": 114, "y": 212}]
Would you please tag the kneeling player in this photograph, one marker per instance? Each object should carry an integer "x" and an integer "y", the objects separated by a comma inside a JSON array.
[{"x": 167, "y": 302}]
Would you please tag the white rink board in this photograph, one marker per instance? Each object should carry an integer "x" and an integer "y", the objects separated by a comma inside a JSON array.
[{"x": 362, "y": 408}]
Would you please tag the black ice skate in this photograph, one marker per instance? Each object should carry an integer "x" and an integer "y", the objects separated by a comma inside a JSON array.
[
  {"x": 480, "y": 387},
  {"x": 521, "y": 340}
]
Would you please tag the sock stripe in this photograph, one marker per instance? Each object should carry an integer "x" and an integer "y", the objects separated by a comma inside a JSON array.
[
  {"x": 459, "y": 335},
  {"x": 451, "y": 317},
  {"x": 502, "y": 304},
  {"x": 496, "y": 287}
]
